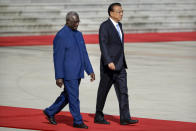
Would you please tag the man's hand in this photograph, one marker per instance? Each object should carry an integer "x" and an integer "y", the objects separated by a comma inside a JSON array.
[
  {"x": 92, "y": 76},
  {"x": 111, "y": 66},
  {"x": 59, "y": 82}
]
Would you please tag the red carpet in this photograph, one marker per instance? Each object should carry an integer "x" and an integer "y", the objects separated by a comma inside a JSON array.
[
  {"x": 26, "y": 118},
  {"x": 93, "y": 38}
]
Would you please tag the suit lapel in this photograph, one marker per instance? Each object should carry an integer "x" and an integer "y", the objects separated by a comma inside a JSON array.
[{"x": 116, "y": 32}]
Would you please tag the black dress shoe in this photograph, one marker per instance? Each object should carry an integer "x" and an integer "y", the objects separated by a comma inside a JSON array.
[
  {"x": 51, "y": 119},
  {"x": 101, "y": 121},
  {"x": 80, "y": 126},
  {"x": 130, "y": 121}
]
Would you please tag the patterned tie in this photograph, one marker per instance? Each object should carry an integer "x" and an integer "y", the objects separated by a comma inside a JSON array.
[{"x": 119, "y": 32}]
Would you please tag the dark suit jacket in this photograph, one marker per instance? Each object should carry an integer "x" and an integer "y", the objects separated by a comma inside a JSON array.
[
  {"x": 112, "y": 49},
  {"x": 70, "y": 55}
]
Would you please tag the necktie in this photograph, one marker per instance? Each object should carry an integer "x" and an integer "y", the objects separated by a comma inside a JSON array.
[{"x": 119, "y": 32}]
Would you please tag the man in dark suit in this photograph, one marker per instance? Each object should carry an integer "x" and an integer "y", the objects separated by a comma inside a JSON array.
[
  {"x": 70, "y": 61},
  {"x": 112, "y": 66}
]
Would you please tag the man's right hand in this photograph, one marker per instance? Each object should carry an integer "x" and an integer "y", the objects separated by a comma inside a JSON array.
[
  {"x": 59, "y": 82},
  {"x": 111, "y": 66}
]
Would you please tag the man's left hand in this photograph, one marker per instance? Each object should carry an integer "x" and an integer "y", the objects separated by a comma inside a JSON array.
[{"x": 92, "y": 76}]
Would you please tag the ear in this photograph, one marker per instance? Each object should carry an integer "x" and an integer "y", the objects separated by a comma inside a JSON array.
[
  {"x": 68, "y": 22},
  {"x": 111, "y": 13}
]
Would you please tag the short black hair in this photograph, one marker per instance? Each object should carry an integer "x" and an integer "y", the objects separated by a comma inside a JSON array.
[{"x": 110, "y": 8}]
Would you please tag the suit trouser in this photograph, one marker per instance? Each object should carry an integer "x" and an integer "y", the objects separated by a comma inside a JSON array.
[
  {"x": 69, "y": 95},
  {"x": 119, "y": 79}
]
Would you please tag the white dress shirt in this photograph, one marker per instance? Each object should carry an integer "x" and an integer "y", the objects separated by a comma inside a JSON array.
[{"x": 115, "y": 25}]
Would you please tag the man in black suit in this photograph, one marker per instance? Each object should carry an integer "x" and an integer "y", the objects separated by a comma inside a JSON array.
[{"x": 112, "y": 66}]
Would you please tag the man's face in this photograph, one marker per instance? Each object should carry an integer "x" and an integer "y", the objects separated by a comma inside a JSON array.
[
  {"x": 73, "y": 22},
  {"x": 117, "y": 13}
]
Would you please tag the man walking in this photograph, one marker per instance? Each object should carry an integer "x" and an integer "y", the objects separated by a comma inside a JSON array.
[
  {"x": 112, "y": 66},
  {"x": 70, "y": 61}
]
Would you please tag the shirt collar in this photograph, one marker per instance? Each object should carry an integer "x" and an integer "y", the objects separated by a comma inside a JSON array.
[{"x": 115, "y": 23}]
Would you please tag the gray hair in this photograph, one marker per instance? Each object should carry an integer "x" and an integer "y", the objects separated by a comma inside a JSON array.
[{"x": 71, "y": 14}]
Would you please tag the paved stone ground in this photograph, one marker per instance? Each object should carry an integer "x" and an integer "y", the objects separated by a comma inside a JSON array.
[{"x": 161, "y": 80}]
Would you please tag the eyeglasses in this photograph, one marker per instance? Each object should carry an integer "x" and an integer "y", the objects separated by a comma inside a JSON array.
[
  {"x": 118, "y": 12},
  {"x": 74, "y": 22}
]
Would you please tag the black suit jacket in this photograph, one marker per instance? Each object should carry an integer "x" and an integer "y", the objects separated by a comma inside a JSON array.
[{"x": 112, "y": 48}]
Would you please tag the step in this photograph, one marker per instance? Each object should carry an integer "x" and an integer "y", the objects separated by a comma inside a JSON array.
[
  {"x": 43, "y": 27},
  {"x": 125, "y": 16},
  {"x": 97, "y": 6},
  {"x": 92, "y": 9},
  {"x": 99, "y": 14},
  {"x": 93, "y": 31},
  {"x": 98, "y": 1},
  {"x": 95, "y": 21}
]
